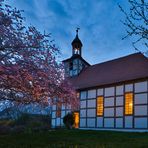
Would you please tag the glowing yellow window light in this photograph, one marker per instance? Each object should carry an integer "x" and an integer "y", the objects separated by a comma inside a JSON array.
[
  {"x": 128, "y": 103},
  {"x": 100, "y": 106},
  {"x": 76, "y": 114}
]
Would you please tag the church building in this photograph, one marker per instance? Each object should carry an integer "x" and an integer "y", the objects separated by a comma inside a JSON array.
[{"x": 113, "y": 95}]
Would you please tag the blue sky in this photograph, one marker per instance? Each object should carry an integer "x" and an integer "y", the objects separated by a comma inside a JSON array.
[{"x": 100, "y": 22}]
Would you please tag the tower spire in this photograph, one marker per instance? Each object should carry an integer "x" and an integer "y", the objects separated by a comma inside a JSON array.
[
  {"x": 77, "y": 30},
  {"x": 76, "y": 44}
]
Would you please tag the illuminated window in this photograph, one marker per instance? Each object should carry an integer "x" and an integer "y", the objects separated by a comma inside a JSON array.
[
  {"x": 76, "y": 124},
  {"x": 100, "y": 106},
  {"x": 58, "y": 111},
  {"x": 128, "y": 103}
]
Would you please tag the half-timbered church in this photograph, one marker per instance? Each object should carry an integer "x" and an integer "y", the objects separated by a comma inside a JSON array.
[{"x": 113, "y": 94}]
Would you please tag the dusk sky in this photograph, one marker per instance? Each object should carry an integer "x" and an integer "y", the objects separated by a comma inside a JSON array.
[{"x": 100, "y": 22}]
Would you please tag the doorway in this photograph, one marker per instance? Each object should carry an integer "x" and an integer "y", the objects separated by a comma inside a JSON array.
[{"x": 76, "y": 124}]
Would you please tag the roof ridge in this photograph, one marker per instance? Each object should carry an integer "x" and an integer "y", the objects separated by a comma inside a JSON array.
[{"x": 123, "y": 57}]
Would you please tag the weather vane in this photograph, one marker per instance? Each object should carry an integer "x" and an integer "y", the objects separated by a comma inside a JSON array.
[{"x": 77, "y": 30}]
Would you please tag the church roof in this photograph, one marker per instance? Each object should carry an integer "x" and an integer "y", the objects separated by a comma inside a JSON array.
[{"x": 131, "y": 67}]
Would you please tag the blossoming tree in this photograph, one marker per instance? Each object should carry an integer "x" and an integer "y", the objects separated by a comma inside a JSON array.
[{"x": 29, "y": 71}]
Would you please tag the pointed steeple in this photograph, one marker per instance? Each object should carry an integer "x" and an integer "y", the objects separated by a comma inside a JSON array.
[{"x": 76, "y": 44}]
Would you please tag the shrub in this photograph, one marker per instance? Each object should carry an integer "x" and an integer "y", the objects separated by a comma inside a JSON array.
[
  {"x": 69, "y": 120},
  {"x": 33, "y": 122},
  {"x": 26, "y": 123},
  {"x": 23, "y": 119},
  {"x": 7, "y": 123}
]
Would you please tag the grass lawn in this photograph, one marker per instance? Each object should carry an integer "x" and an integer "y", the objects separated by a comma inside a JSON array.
[{"x": 74, "y": 139}]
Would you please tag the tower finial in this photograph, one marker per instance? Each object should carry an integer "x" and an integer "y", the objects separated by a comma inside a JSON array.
[{"x": 77, "y": 30}]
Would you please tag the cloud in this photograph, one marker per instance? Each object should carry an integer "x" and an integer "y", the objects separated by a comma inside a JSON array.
[{"x": 99, "y": 20}]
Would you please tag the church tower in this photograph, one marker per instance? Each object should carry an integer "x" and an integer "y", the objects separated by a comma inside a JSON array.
[
  {"x": 75, "y": 64},
  {"x": 76, "y": 45}
]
